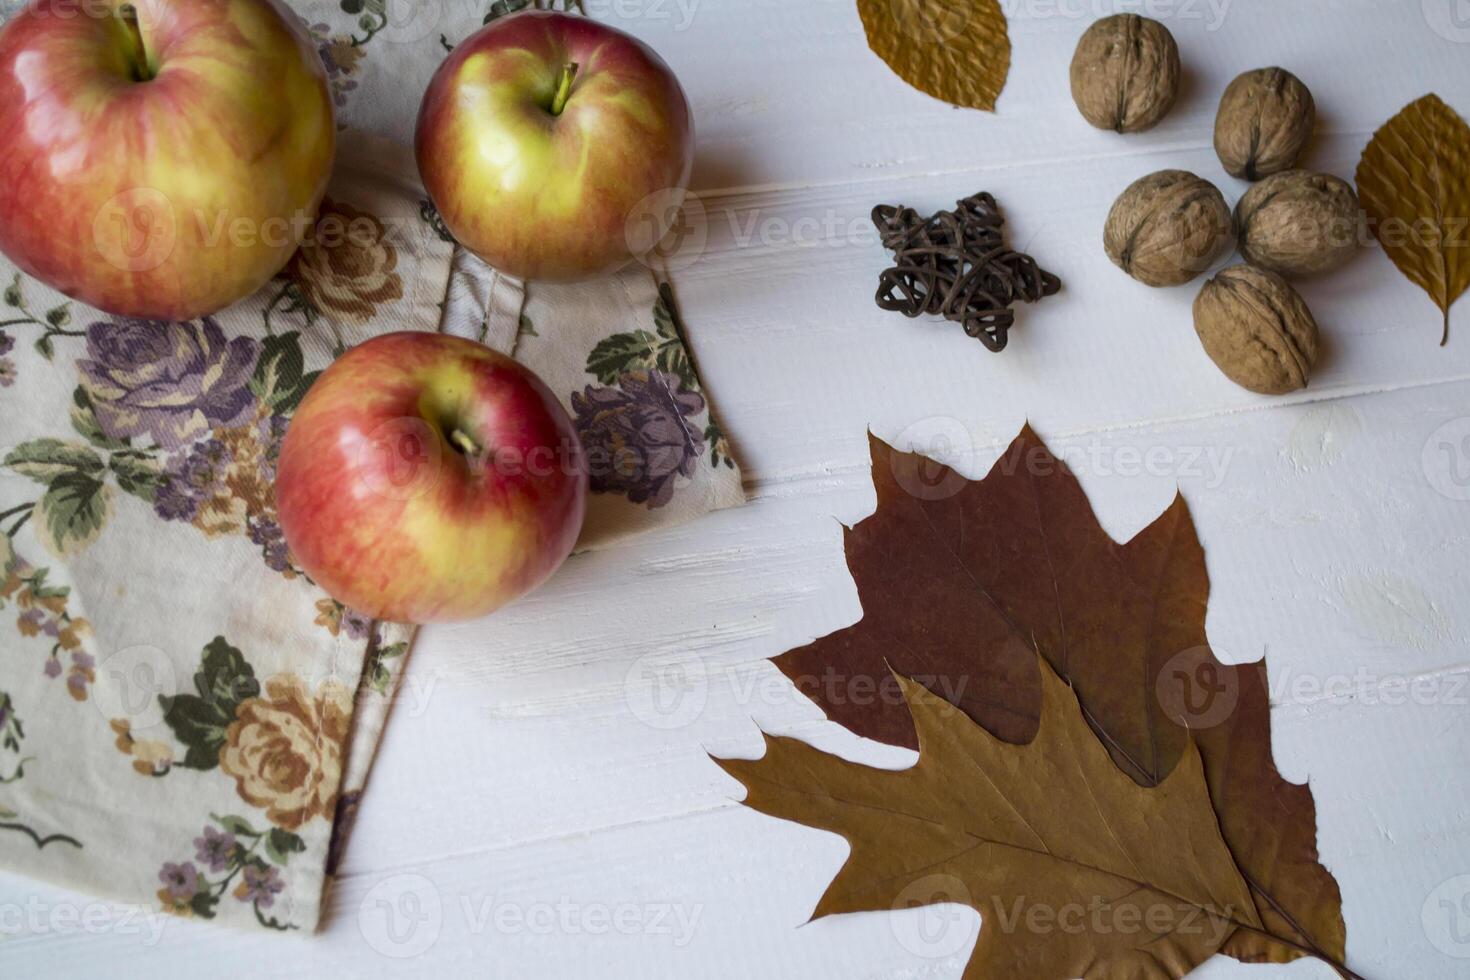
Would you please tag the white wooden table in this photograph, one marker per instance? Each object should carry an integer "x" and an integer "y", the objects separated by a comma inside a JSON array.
[{"x": 543, "y": 805}]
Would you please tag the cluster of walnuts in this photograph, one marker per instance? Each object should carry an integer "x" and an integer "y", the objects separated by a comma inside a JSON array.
[{"x": 1167, "y": 228}]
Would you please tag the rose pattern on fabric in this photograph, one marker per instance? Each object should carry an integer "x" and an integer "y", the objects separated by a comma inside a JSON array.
[
  {"x": 339, "y": 619},
  {"x": 639, "y": 452},
  {"x": 43, "y": 613},
  {"x": 341, "y": 54},
  {"x": 232, "y": 851},
  {"x": 340, "y": 57},
  {"x": 53, "y": 323},
  {"x": 259, "y": 885},
  {"x": 155, "y": 439},
  {"x": 214, "y": 848},
  {"x": 150, "y": 756},
  {"x": 216, "y": 478},
  {"x": 285, "y": 750},
  {"x": 347, "y": 269},
  {"x": 282, "y": 746},
  {"x": 7, "y": 366},
  {"x": 430, "y": 216},
  {"x": 13, "y": 769},
  {"x": 231, "y": 399},
  {"x": 637, "y": 436},
  {"x": 11, "y": 731},
  {"x": 172, "y": 382},
  {"x": 180, "y": 881},
  {"x": 225, "y": 485},
  {"x": 377, "y": 672}
]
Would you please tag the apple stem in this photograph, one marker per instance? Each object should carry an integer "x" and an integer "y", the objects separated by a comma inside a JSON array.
[
  {"x": 464, "y": 443},
  {"x": 129, "y": 16},
  {"x": 563, "y": 87}
]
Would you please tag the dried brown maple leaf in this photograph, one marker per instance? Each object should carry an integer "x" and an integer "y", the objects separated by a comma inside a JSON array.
[
  {"x": 955, "y": 50},
  {"x": 958, "y": 580},
  {"x": 1134, "y": 882},
  {"x": 1414, "y": 181}
]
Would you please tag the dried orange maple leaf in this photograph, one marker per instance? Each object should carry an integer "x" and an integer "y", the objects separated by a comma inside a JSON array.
[
  {"x": 960, "y": 579},
  {"x": 1134, "y": 882}
]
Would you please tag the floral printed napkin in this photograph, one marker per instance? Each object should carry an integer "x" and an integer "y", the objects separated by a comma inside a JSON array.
[
  {"x": 176, "y": 699},
  {"x": 186, "y": 721},
  {"x": 647, "y": 428}
]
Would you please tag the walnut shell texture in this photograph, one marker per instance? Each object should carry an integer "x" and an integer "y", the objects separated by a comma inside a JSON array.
[
  {"x": 1299, "y": 223},
  {"x": 1264, "y": 122},
  {"x": 1257, "y": 329},
  {"x": 1167, "y": 228},
  {"x": 1125, "y": 73}
]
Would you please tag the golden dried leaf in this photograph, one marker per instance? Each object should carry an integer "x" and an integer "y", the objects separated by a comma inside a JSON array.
[
  {"x": 961, "y": 580},
  {"x": 1414, "y": 181},
  {"x": 1132, "y": 882},
  {"x": 955, "y": 50}
]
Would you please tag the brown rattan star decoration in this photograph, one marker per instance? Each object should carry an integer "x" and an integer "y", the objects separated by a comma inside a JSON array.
[{"x": 956, "y": 263}]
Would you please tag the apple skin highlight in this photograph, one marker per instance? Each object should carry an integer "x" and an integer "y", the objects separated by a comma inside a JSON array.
[
  {"x": 427, "y": 478},
  {"x": 544, "y": 195},
  {"x": 160, "y": 164}
]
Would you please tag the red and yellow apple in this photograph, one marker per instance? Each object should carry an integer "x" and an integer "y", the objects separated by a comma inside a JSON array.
[
  {"x": 162, "y": 158},
  {"x": 555, "y": 147},
  {"x": 428, "y": 478}
]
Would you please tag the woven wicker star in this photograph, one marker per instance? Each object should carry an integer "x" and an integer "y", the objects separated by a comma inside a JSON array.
[{"x": 956, "y": 264}]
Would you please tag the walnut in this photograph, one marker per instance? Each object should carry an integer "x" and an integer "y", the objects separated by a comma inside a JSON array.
[
  {"x": 1298, "y": 223},
  {"x": 1257, "y": 330},
  {"x": 1264, "y": 121},
  {"x": 1125, "y": 73},
  {"x": 1167, "y": 228}
]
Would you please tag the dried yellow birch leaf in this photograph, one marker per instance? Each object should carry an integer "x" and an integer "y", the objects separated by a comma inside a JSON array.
[
  {"x": 955, "y": 50},
  {"x": 1414, "y": 182}
]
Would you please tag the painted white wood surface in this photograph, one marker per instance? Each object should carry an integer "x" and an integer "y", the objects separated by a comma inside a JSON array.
[{"x": 537, "y": 823}]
